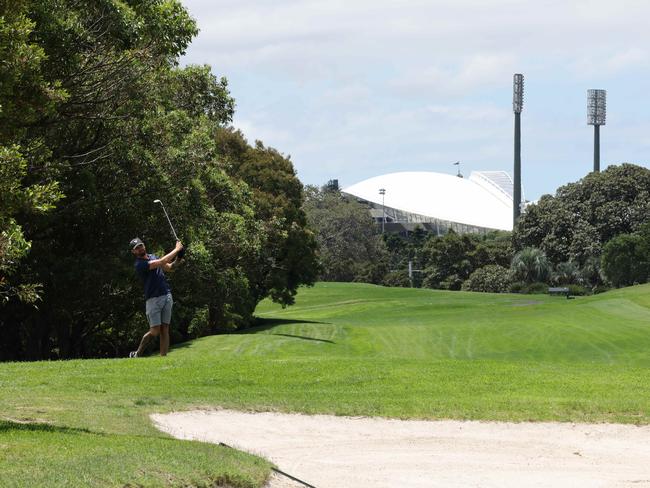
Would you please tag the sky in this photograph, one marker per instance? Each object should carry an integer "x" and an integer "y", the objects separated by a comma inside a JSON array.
[{"x": 358, "y": 88}]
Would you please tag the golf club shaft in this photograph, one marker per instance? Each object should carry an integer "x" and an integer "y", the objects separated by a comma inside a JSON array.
[{"x": 168, "y": 220}]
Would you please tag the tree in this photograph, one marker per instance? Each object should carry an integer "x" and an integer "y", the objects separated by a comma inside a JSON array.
[
  {"x": 350, "y": 245},
  {"x": 25, "y": 96},
  {"x": 626, "y": 259},
  {"x": 574, "y": 224},
  {"x": 567, "y": 273},
  {"x": 448, "y": 260},
  {"x": 404, "y": 248},
  {"x": 492, "y": 278},
  {"x": 530, "y": 265},
  {"x": 289, "y": 257},
  {"x": 494, "y": 248}
]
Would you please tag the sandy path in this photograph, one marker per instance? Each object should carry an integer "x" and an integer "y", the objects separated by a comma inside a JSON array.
[{"x": 335, "y": 452}]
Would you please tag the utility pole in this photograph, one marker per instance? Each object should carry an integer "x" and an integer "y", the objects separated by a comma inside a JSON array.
[
  {"x": 382, "y": 192},
  {"x": 517, "y": 106},
  {"x": 596, "y": 116}
]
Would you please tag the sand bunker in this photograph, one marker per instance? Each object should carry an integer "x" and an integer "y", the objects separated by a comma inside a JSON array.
[{"x": 334, "y": 452}]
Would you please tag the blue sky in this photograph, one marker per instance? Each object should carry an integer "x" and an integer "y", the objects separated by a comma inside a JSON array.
[{"x": 353, "y": 89}]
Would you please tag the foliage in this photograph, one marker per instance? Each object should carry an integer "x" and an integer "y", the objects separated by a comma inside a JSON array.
[
  {"x": 451, "y": 258},
  {"x": 566, "y": 273},
  {"x": 536, "y": 288},
  {"x": 530, "y": 265},
  {"x": 576, "y": 223},
  {"x": 491, "y": 278},
  {"x": 289, "y": 249},
  {"x": 626, "y": 259},
  {"x": 25, "y": 96},
  {"x": 397, "y": 279},
  {"x": 576, "y": 290},
  {"x": 351, "y": 248},
  {"x": 448, "y": 260},
  {"x": 405, "y": 248}
]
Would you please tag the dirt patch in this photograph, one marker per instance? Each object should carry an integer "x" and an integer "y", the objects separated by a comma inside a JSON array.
[{"x": 329, "y": 451}]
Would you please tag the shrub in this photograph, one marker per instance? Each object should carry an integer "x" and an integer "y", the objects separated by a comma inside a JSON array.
[
  {"x": 516, "y": 287},
  {"x": 536, "y": 288},
  {"x": 566, "y": 273},
  {"x": 600, "y": 289},
  {"x": 491, "y": 278},
  {"x": 528, "y": 288},
  {"x": 577, "y": 290},
  {"x": 591, "y": 273},
  {"x": 397, "y": 279},
  {"x": 626, "y": 260},
  {"x": 199, "y": 325}
]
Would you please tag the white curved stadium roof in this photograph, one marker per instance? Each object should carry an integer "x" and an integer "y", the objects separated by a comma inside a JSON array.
[{"x": 483, "y": 200}]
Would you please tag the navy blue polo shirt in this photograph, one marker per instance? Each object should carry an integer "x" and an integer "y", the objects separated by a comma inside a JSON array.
[{"x": 154, "y": 281}]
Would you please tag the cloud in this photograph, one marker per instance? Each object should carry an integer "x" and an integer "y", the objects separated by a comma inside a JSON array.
[{"x": 479, "y": 71}]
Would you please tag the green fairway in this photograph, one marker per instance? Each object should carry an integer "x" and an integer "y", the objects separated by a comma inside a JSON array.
[{"x": 346, "y": 349}]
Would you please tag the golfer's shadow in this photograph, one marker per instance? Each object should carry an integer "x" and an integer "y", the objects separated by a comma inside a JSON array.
[{"x": 262, "y": 325}]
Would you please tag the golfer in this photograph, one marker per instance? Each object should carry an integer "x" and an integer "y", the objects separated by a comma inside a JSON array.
[{"x": 157, "y": 293}]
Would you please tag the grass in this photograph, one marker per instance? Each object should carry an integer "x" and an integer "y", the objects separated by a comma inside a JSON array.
[{"x": 345, "y": 349}]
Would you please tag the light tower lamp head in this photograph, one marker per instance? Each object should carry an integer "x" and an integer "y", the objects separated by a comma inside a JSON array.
[
  {"x": 596, "y": 107},
  {"x": 518, "y": 93}
]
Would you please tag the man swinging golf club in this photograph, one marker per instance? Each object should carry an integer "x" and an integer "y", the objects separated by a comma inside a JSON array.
[{"x": 157, "y": 293}]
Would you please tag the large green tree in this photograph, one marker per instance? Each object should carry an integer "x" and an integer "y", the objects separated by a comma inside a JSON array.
[
  {"x": 575, "y": 223},
  {"x": 289, "y": 255},
  {"x": 25, "y": 97}
]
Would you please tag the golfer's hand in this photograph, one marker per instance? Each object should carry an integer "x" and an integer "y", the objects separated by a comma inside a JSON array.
[{"x": 179, "y": 246}]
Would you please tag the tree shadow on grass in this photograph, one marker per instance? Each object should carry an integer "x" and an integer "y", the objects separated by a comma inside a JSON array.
[
  {"x": 8, "y": 425},
  {"x": 262, "y": 325}
]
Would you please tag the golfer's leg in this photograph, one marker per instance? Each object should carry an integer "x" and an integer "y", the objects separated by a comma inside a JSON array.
[
  {"x": 164, "y": 339},
  {"x": 153, "y": 332},
  {"x": 166, "y": 318}
]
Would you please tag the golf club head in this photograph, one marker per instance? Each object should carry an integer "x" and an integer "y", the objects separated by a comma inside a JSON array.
[{"x": 157, "y": 201}]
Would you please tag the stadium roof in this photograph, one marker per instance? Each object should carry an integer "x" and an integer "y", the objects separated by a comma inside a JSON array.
[{"x": 483, "y": 200}]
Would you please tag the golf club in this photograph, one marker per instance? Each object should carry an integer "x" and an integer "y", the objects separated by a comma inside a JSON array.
[
  {"x": 170, "y": 222},
  {"x": 181, "y": 253}
]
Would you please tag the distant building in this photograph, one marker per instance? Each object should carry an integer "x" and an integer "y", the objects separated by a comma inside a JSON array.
[{"x": 439, "y": 202}]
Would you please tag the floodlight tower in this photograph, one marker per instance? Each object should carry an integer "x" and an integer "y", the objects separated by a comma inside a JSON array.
[
  {"x": 596, "y": 115},
  {"x": 517, "y": 106}
]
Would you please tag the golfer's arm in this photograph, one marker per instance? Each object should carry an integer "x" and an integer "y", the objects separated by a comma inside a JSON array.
[{"x": 164, "y": 261}]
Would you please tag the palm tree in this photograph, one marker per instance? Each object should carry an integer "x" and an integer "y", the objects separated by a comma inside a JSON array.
[
  {"x": 530, "y": 265},
  {"x": 566, "y": 273}
]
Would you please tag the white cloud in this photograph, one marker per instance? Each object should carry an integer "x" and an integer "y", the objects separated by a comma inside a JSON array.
[{"x": 479, "y": 71}]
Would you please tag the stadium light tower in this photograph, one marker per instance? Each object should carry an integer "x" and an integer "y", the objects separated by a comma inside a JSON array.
[
  {"x": 517, "y": 106},
  {"x": 596, "y": 115},
  {"x": 382, "y": 192}
]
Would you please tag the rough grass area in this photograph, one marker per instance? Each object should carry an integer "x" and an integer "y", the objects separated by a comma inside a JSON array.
[
  {"x": 345, "y": 349},
  {"x": 42, "y": 455}
]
